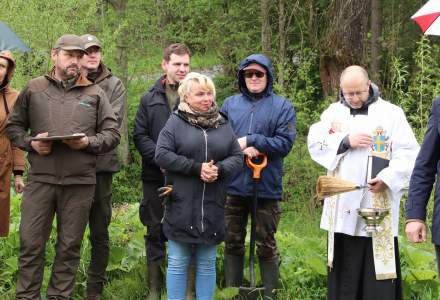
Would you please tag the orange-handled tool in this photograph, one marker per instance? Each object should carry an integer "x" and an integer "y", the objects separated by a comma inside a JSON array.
[{"x": 258, "y": 166}]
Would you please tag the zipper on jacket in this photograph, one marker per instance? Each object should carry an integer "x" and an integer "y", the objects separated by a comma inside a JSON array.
[
  {"x": 250, "y": 123},
  {"x": 164, "y": 213},
  {"x": 59, "y": 164},
  {"x": 205, "y": 136},
  {"x": 245, "y": 180}
]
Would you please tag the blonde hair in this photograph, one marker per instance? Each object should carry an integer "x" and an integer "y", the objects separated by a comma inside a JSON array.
[{"x": 187, "y": 83}]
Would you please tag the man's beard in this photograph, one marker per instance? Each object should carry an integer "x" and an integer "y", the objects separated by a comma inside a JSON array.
[{"x": 69, "y": 74}]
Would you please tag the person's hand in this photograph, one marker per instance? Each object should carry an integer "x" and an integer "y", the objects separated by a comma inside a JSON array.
[
  {"x": 360, "y": 140},
  {"x": 209, "y": 172},
  {"x": 42, "y": 147},
  {"x": 18, "y": 184},
  {"x": 416, "y": 231},
  {"x": 376, "y": 185},
  {"x": 77, "y": 144},
  {"x": 242, "y": 142},
  {"x": 251, "y": 152}
]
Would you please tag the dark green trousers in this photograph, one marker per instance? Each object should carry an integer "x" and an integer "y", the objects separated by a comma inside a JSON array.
[
  {"x": 151, "y": 212},
  {"x": 99, "y": 220},
  {"x": 237, "y": 210},
  {"x": 41, "y": 202}
]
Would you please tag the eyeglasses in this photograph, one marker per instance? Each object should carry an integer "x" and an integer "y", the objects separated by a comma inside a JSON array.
[
  {"x": 352, "y": 94},
  {"x": 250, "y": 74}
]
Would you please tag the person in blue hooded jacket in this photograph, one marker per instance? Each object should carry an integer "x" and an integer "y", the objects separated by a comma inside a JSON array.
[{"x": 263, "y": 123}]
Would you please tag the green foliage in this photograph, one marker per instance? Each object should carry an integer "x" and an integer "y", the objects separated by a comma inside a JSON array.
[
  {"x": 190, "y": 24},
  {"x": 8, "y": 253},
  {"x": 303, "y": 268},
  {"x": 40, "y": 24},
  {"x": 399, "y": 74},
  {"x": 225, "y": 87},
  {"x": 298, "y": 180},
  {"x": 425, "y": 85},
  {"x": 226, "y": 293},
  {"x": 303, "y": 89},
  {"x": 302, "y": 247},
  {"x": 238, "y": 34},
  {"x": 414, "y": 91},
  {"x": 420, "y": 279},
  {"x": 127, "y": 184}
]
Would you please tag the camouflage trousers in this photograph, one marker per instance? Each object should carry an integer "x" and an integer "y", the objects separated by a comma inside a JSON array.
[{"x": 237, "y": 211}]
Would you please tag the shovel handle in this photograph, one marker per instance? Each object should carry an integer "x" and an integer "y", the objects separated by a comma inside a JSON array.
[
  {"x": 164, "y": 190},
  {"x": 257, "y": 167}
]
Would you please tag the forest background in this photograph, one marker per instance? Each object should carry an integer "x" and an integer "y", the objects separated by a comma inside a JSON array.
[{"x": 310, "y": 43}]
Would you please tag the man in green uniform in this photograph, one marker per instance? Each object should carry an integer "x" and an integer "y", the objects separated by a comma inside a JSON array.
[
  {"x": 62, "y": 172},
  {"x": 106, "y": 165}
]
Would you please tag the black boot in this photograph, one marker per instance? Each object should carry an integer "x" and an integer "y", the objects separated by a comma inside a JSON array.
[
  {"x": 94, "y": 291},
  {"x": 269, "y": 270},
  {"x": 233, "y": 266},
  {"x": 155, "y": 280},
  {"x": 191, "y": 283}
]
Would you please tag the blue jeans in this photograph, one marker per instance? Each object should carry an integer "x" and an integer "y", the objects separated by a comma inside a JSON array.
[{"x": 179, "y": 256}]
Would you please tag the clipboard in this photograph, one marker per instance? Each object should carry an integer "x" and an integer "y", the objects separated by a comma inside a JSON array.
[{"x": 59, "y": 137}]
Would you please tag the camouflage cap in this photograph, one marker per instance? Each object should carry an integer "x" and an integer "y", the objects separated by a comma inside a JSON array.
[
  {"x": 90, "y": 41},
  {"x": 70, "y": 42}
]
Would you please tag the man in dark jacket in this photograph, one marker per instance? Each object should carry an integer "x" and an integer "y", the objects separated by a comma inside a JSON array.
[
  {"x": 62, "y": 172},
  {"x": 264, "y": 123},
  {"x": 422, "y": 180},
  {"x": 106, "y": 165},
  {"x": 153, "y": 112}
]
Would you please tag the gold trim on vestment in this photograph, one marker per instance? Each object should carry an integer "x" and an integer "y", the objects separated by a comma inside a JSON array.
[
  {"x": 383, "y": 240},
  {"x": 332, "y": 218},
  {"x": 386, "y": 276}
]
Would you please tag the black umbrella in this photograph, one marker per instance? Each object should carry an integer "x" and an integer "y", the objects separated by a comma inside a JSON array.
[{"x": 9, "y": 40}]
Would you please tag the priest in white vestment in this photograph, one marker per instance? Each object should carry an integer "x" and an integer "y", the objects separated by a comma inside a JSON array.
[{"x": 361, "y": 125}]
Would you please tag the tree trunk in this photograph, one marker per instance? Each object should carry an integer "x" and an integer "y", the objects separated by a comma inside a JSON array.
[
  {"x": 265, "y": 28},
  {"x": 376, "y": 29},
  {"x": 343, "y": 41},
  {"x": 282, "y": 36},
  {"x": 284, "y": 21},
  {"x": 120, "y": 7}
]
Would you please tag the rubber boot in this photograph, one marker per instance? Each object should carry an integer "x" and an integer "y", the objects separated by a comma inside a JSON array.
[
  {"x": 155, "y": 280},
  {"x": 269, "y": 270},
  {"x": 94, "y": 291},
  {"x": 233, "y": 266},
  {"x": 191, "y": 283}
]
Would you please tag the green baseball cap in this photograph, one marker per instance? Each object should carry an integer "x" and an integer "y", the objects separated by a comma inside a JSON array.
[
  {"x": 90, "y": 41},
  {"x": 70, "y": 42}
]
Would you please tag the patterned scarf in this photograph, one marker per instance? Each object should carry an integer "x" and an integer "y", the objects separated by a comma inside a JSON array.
[{"x": 208, "y": 119}]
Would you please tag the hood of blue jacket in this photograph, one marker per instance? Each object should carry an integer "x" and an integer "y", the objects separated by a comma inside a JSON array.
[{"x": 263, "y": 61}]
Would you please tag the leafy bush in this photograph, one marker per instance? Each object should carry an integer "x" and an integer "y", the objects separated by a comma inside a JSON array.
[{"x": 419, "y": 276}]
